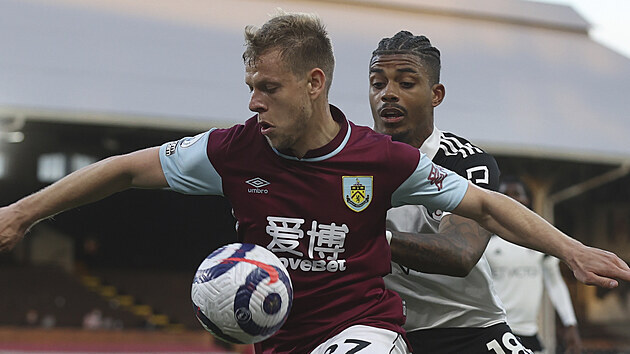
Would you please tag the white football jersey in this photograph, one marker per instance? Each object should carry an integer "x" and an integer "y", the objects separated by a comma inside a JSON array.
[
  {"x": 519, "y": 275},
  {"x": 441, "y": 301}
]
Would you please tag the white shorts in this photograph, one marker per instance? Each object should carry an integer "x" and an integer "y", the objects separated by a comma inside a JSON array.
[{"x": 364, "y": 340}]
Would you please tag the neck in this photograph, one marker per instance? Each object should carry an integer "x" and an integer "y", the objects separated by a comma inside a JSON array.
[
  {"x": 417, "y": 136},
  {"x": 424, "y": 134},
  {"x": 321, "y": 130}
]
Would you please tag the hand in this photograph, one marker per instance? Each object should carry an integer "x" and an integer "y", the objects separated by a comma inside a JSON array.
[
  {"x": 593, "y": 266},
  {"x": 12, "y": 230},
  {"x": 572, "y": 340}
]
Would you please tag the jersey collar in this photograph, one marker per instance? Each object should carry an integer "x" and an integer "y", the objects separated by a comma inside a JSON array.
[
  {"x": 333, "y": 147},
  {"x": 432, "y": 144}
]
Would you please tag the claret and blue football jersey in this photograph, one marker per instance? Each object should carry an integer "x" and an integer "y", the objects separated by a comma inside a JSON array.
[{"x": 323, "y": 215}]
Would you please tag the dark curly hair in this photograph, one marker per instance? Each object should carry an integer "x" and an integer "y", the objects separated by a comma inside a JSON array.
[{"x": 404, "y": 42}]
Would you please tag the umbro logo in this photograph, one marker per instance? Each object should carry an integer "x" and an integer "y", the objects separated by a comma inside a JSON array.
[{"x": 257, "y": 183}]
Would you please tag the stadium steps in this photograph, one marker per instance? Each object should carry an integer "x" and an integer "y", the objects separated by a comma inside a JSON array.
[
  {"x": 52, "y": 291},
  {"x": 128, "y": 302},
  {"x": 166, "y": 293}
]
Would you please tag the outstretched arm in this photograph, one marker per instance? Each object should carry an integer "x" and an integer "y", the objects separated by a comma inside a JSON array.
[
  {"x": 517, "y": 224},
  {"x": 459, "y": 243},
  {"x": 561, "y": 300},
  {"x": 141, "y": 169},
  {"x": 454, "y": 250}
]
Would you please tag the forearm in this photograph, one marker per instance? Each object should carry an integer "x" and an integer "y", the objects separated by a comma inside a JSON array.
[
  {"x": 89, "y": 184},
  {"x": 453, "y": 251},
  {"x": 558, "y": 291},
  {"x": 572, "y": 340},
  {"x": 515, "y": 223}
]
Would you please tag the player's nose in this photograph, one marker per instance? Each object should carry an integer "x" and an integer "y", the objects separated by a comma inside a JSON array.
[
  {"x": 390, "y": 94},
  {"x": 256, "y": 103}
]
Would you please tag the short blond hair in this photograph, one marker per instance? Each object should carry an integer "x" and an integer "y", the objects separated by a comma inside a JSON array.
[{"x": 301, "y": 38}]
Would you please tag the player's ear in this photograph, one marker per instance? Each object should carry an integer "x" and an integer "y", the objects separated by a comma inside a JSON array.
[
  {"x": 316, "y": 82},
  {"x": 439, "y": 91}
]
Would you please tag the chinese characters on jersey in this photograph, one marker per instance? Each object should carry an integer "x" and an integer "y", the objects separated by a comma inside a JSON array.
[{"x": 325, "y": 244}]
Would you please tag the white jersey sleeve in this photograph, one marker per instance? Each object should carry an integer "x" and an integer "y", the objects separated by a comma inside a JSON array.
[
  {"x": 432, "y": 186},
  {"x": 558, "y": 291},
  {"x": 187, "y": 167}
]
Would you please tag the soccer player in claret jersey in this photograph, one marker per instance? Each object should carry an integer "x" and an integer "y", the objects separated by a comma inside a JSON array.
[{"x": 314, "y": 189}]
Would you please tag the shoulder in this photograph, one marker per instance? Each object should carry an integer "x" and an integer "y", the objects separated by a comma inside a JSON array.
[
  {"x": 369, "y": 147},
  {"x": 456, "y": 147},
  {"x": 468, "y": 160},
  {"x": 239, "y": 137},
  {"x": 235, "y": 132},
  {"x": 367, "y": 139}
]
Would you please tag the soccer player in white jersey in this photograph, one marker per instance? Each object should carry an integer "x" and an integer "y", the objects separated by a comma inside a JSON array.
[
  {"x": 326, "y": 179},
  {"x": 519, "y": 276},
  {"x": 445, "y": 314}
]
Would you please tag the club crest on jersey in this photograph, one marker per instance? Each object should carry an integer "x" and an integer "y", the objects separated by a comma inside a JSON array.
[{"x": 357, "y": 192}]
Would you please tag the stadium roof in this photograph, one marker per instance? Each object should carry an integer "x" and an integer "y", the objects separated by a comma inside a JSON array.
[{"x": 522, "y": 78}]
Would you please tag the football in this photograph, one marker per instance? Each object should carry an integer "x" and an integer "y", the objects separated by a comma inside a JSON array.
[{"x": 242, "y": 293}]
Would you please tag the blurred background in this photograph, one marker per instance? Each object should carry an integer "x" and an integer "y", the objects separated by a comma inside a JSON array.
[{"x": 81, "y": 80}]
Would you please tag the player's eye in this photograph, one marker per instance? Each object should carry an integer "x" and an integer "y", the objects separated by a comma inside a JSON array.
[
  {"x": 378, "y": 85},
  {"x": 270, "y": 88}
]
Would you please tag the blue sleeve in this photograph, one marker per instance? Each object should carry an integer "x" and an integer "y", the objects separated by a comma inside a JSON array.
[
  {"x": 187, "y": 167},
  {"x": 432, "y": 186}
]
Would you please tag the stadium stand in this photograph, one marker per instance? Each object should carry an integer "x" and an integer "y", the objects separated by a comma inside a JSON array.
[
  {"x": 166, "y": 293},
  {"x": 55, "y": 294}
]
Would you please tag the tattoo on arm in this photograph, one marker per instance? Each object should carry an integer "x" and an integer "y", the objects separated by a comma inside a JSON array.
[{"x": 453, "y": 251}]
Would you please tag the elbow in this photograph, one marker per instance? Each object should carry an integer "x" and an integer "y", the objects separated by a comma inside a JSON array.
[
  {"x": 465, "y": 264},
  {"x": 470, "y": 260},
  {"x": 458, "y": 268},
  {"x": 466, "y": 268},
  {"x": 462, "y": 270}
]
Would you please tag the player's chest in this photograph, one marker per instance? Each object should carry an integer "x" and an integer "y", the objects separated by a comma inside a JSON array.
[{"x": 316, "y": 189}]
